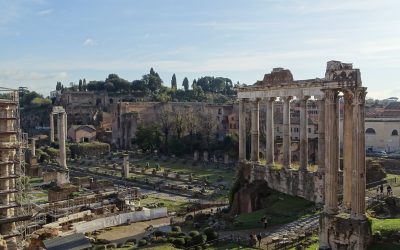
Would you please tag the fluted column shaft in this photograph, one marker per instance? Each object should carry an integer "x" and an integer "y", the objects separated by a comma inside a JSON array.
[
  {"x": 303, "y": 134},
  {"x": 270, "y": 137},
  {"x": 255, "y": 120},
  {"x": 358, "y": 156},
  {"x": 321, "y": 136},
  {"x": 347, "y": 148},
  {"x": 331, "y": 151},
  {"x": 51, "y": 127},
  {"x": 286, "y": 132},
  {"x": 242, "y": 130}
]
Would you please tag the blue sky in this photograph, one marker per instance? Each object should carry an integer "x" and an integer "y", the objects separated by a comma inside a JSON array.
[{"x": 43, "y": 41}]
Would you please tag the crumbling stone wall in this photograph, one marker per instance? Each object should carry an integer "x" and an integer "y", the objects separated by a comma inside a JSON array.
[{"x": 305, "y": 184}]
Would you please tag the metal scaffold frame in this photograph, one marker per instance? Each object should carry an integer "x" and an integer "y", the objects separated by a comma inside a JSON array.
[{"x": 21, "y": 209}]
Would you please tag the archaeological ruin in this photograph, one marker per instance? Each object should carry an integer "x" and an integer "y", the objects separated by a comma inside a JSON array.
[{"x": 342, "y": 225}]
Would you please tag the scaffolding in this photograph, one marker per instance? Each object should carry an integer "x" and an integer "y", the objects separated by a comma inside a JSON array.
[{"x": 15, "y": 206}]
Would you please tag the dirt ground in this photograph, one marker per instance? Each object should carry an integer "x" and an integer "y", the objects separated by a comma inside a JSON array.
[{"x": 136, "y": 230}]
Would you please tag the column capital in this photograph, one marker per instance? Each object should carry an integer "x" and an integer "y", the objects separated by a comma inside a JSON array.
[
  {"x": 304, "y": 98},
  {"x": 331, "y": 95},
  {"x": 271, "y": 99},
  {"x": 287, "y": 98},
  {"x": 359, "y": 96}
]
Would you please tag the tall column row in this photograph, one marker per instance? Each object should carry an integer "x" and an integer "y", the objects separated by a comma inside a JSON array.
[
  {"x": 255, "y": 133},
  {"x": 354, "y": 173}
]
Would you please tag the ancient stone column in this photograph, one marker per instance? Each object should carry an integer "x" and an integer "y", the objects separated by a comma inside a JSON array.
[
  {"x": 66, "y": 126},
  {"x": 303, "y": 134},
  {"x": 51, "y": 127},
  {"x": 286, "y": 132},
  {"x": 125, "y": 167},
  {"x": 270, "y": 137},
  {"x": 358, "y": 156},
  {"x": 255, "y": 121},
  {"x": 61, "y": 133},
  {"x": 331, "y": 151},
  {"x": 33, "y": 147},
  {"x": 242, "y": 130},
  {"x": 321, "y": 136},
  {"x": 205, "y": 156},
  {"x": 347, "y": 148}
]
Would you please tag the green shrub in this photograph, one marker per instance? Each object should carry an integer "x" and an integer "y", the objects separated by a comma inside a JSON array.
[
  {"x": 176, "y": 229},
  {"x": 210, "y": 233},
  {"x": 111, "y": 246},
  {"x": 193, "y": 233},
  {"x": 178, "y": 242},
  {"x": 199, "y": 240},
  {"x": 142, "y": 243}
]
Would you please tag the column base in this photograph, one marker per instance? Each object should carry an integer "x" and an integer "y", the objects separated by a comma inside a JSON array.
[{"x": 342, "y": 232}]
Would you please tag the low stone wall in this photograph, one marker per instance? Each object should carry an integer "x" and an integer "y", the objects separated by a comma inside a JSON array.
[
  {"x": 145, "y": 214},
  {"x": 305, "y": 184}
]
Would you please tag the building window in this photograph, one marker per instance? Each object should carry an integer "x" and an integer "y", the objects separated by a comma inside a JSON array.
[
  {"x": 395, "y": 132},
  {"x": 370, "y": 131},
  {"x": 309, "y": 130}
]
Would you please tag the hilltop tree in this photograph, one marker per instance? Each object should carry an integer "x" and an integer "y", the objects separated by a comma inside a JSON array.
[
  {"x": 173, "y": 82},
  {"x": 80, "y": 85},
  {"x": 185, "y": 84},
  {"x": 84, "y": 86},
  {"x": 152, "y": 80}
]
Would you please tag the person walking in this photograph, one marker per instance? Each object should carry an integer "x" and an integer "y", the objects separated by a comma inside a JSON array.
[
  {"x": 264, "y": 221},
  {"x": 389, "y": 190},
  {"x": 259, "y": 238}
]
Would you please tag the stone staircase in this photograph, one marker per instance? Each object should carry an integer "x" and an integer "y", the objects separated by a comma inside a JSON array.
[{"x": 291, "y": 233}]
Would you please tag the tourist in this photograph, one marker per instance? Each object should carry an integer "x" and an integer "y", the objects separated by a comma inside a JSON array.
[
  {"x": 259, "y": 238},
  {"x": 381, "y": 189},
  {"x": 264, "y": 221},
  {"x": 389, "y": 190}
]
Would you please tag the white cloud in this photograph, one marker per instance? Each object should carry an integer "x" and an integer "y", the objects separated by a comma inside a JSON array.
[
  {"x": 89, "y": 42},
  {"x": 44, "y": 12}
]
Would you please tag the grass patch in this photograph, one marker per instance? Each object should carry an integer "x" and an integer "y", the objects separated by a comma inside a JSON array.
[
  {"x": 160, "y": 247},
  {"x": 282, "y": 208},
  {"x": 385, "y": 226},
  {"x": 172, "y": 205},
  {"x": 229, "y": 246}
]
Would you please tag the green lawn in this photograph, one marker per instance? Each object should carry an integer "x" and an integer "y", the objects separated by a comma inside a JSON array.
[
  {"x": 160, "y": 247},
  {"x": 186, "y": 168},
  {"x": 172, "y": 205},
  {"x": 283, "y": 208},
  {"x": 385, "y": 226}
]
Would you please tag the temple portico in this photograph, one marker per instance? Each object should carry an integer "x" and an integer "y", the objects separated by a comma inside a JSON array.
[{"x": 340, "y": 78}]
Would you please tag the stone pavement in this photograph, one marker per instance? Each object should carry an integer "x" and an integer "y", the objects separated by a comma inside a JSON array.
[{"x": 275, "y": 237}]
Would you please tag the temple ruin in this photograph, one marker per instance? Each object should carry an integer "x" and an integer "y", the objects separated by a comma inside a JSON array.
[{"x": 341, "y": 227}]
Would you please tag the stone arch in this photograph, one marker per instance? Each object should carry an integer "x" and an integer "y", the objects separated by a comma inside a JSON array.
[{"x": 395, "y": 132}]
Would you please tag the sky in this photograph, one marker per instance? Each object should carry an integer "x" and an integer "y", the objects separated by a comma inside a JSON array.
[{"x": 43, "y": 41}]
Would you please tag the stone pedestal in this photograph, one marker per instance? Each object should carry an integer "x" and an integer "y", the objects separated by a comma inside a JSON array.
[
  {"x": 62, "y": 177},
  {"x": 205, "y": 156},
  {"x": 226, "y": 159},
  {"x": 339, "y": 232},
  {"x": 196, "y": 155},
  {"x": 125, "y": 167}
]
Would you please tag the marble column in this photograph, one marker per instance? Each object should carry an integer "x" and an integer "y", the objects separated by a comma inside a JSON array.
[
  {"x": 61, "y": 141},
  {"x": 321, "y": 136},
  {"x": 33, "y": 147},
  {"x": 270, "y": 137},
  {"x": 303, "y": 134},
  {"x": 347, "y": 148},
  {"x": 125, "y": 167},
  {"x": 242, "y": 130},
  {"x": 286, "y": 132},
  {"x": 358, "y": 156},
  {"x": 51, "y": 127},
  {"x": 255, "y": 136},
  {"x": 66, "y": 126},
  {"x": 331, "y": 151}
]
